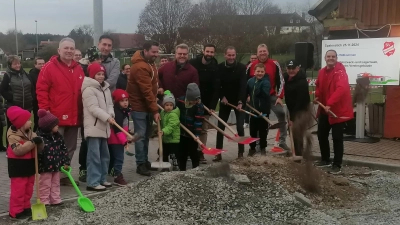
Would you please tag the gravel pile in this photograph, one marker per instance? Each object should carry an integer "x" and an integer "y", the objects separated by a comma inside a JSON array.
[{"x": 194, "y": 197}]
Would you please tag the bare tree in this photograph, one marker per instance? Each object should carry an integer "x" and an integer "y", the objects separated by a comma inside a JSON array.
[
  {"x": 83, "y": 36},
  {"x": 255, "y": 7},
  {"x": 160, "y": 20}
]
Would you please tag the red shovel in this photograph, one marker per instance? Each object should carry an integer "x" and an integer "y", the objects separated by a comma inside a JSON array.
[
  {"x": 206, "y": 150},
  {"x": 272, "y": 125},
  {"x": 237, "y": 138}
]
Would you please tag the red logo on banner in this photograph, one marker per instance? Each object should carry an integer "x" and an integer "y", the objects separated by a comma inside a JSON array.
[{"x": 388, "y": 48}]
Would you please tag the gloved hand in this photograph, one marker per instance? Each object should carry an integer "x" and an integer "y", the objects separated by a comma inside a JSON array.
[{"x": 37, "y": 140}]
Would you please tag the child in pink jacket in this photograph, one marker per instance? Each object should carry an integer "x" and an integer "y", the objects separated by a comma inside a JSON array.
[{"x": 118, "y": 140}]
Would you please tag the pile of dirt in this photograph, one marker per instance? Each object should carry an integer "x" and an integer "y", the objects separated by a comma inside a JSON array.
[{"x": 334, "y": 191}]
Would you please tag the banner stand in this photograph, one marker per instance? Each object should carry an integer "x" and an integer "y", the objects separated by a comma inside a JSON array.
[{"x": 360, "y": 127}]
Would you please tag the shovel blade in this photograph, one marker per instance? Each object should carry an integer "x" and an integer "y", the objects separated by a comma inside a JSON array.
[
  {"x": 243, "y": 140},
  {"x": 212, "y": 151},
  {"x": 86, "y": 205},
  {"x": 277, "y": 125},
  {"x": 39, "y": 211}
]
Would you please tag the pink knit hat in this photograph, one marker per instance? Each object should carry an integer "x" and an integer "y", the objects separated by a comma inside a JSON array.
[
  {"x": 17, "y": 116},
  {"x": 47, "y": 121}
]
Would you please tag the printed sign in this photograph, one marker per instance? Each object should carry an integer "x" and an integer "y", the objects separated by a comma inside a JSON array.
[{"x": 375, "y": 58}]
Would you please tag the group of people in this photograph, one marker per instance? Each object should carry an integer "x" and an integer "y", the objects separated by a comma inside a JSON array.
[{"x": 98, "y": 97}]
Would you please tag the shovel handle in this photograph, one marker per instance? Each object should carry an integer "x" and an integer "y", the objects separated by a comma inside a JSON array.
[
  {"x": 192, "y": 135},
  {"x": 242, "y": 110},
  {"x": 220, "y": 120},
  {"x": 259, "y": 113},
  {"x": 291, "y": 137},
  {"x": 324, "y": 107},
  {"x": 123, "y": 130},
  {"x": 37, "y": 173},
  {"x": 160, "y": 141},
  {"x": 68, "y": 173},
  {"x": 218, "y": 129}
]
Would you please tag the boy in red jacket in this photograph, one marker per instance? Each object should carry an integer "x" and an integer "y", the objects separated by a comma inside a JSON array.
[
  {"x": 333, "y": 91},
  {"x": 21, "y": 161}
]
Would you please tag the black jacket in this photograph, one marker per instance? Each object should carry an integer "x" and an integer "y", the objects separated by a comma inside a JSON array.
[
  {"x": 2, "y": 111},
  {"x": 33, "y": 75},
  {"x": 297, "y": 95},
  {"x": 233, "y": 81},
  {"x": 16, "y": 89},
  {"x": 54, "y": 154},
  {"x": 122, "y": 81},
  {"x": 208, "y": 78}
]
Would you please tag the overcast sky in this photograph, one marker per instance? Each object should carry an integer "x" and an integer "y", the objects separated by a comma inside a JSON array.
[{"x": 61, "y": 16}]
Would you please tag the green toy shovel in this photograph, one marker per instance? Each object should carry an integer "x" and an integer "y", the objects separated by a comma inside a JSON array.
[{"x": 83, "y": 202}]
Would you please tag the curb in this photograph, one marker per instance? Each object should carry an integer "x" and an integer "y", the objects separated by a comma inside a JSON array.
[{"x": 372, "y": 165}]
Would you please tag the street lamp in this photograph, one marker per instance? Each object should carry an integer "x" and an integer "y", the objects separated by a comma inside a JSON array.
[
  {"x": 37, "y": 43},
  {"x": 16, "y": 32}
]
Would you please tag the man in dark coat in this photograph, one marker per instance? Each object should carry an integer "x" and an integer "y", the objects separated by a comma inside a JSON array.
[
  {"x": 123, "y": 77},
  {"x": 33, "y": 75},
  {"x": 233, "y": 82},
  {"x": 297, "y": 96},
  {"x": 207, "y": 67}
]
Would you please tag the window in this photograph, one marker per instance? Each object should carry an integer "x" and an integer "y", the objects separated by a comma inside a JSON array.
[
  {"x": 291, "y": 21},
  {"x": 297, "y": 21}
]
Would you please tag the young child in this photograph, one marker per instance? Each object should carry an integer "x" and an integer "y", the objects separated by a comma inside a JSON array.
[
  {"x": 170, "y": 127},
  {"x": 51, "y": 159},
  {"x": 21, "y": 161},
  {"x": 98, "y": 112},
  {"x": 191, "y": 116},
  {"x": 93, "y": 56},
  {"x": 258, "y": 88},
  {"x": 118, "y": 140}
]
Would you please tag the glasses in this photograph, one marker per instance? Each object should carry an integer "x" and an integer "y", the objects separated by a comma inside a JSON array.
[{"x": 184, "y": 54}]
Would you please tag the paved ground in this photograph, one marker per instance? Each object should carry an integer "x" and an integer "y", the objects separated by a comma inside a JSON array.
[{"x": 385, "y": 151}]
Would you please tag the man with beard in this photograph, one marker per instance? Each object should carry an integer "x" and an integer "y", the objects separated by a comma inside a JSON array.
[
  {"x": 273, "y": 69},
  {"x": 111, "y": 64},
  {"x": 332, "y": 90},
  {"x": 233, "y": 82},
  {"x": 207, "y": 67},
  {"x": 176, "y": 75},
  {"x": 297, "y": 97},
  {"x": 33, "y": 75},
  {"x": 142, "y": 89}
]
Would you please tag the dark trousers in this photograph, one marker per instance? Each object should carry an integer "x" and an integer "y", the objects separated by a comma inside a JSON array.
[
  {"x": 2, "y": 134},
  {"x": 117, "y": 154},
  {"x": 247, "y": 116},
  {"x": 298, "y": 145},
  {"x": 35, "y": 118},
  {"x": 258, "y": 128},
  {"x": 168, "y": 149},
  {"x": 323, "y": 138},
  {"x": 8, "y": 126},
  {"x": 188, "y": 147},
  {"x": 224, "y": 112},
  {"x": 83, "y": 152}
]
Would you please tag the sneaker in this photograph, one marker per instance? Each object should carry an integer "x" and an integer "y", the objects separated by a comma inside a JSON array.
[
  {"x": 148, "y": 165},
  {"x": 97, "y": 188},
  {"x": 284, "y": 146},
  {"x": 107, "y": 184},
  {"x": 66, "y": 182},
  {"x": 120, "y": 181},
  {"x": 82, "y": 175},
  {"x": 322, "y": 164},
  {"x": 335, "y": 169},
  {"x": 245, "y": 125},
  {"x": 142, "y": 170},
  {"x": 20, "y": 216},
  {"x": 217, "y": 158},
  {"x": 252, "y": 152},
  {"x": 263, "y": 151}
]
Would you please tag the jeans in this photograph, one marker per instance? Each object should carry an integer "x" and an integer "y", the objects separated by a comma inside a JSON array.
[
  {"x": 117, "y": 156},
  {"x": 142, "y": 123},
  {"x": 224, "y": 112},
  {"x": 337, "y": 135},
  {"x": 280, "y": 114},
  {"x": 98, "y": 159}
]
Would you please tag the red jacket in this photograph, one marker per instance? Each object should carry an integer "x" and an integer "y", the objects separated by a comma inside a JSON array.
[
  {"x": 176, "y": 80},
  {"x": 333, "y": 89},
  {"x": 273, "y": 69},
  {"x": 58, "y": 90}
]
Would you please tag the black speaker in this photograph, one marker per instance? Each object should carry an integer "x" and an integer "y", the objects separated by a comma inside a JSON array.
[{"x": 304, "y": 54}]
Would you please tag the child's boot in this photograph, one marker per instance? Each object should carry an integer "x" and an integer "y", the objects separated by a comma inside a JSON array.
[
  {"x": 252, "y": 152},
  {"x": 263, "y": 151}
]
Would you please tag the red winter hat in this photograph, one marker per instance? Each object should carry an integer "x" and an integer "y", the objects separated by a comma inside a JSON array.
[
  {"x": 17, "y": 116},
  {"x": 94, "y": 68},
  {"x": 47, "y": 121},
  {"x": 119, "y": 95}
]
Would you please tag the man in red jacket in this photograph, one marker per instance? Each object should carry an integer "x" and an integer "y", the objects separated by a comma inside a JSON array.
[
  {"x": 333, "y": 91},
  {"x": 176, "y": 75},
  {"x": 58, "y": 91},
  {"x": 274, "y": 72}
]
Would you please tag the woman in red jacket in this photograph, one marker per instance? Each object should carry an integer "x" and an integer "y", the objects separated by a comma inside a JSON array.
[{"x": 333, "y": 91}]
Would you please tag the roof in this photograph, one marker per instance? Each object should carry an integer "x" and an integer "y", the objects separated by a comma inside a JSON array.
[{"x": 126, "y": 40}]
